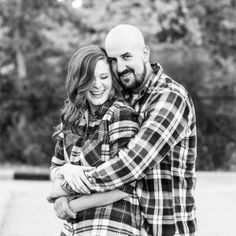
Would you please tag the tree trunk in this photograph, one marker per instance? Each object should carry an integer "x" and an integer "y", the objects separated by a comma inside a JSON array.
[{"x": 20, "y": 59}]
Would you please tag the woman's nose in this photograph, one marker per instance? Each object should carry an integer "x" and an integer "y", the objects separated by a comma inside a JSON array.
[{"x": 96, "y": 83}]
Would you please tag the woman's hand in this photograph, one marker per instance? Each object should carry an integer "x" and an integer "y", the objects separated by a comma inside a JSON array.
[
  {"x": 76, "y": 178},
  {"x": 62, "y": 208}
]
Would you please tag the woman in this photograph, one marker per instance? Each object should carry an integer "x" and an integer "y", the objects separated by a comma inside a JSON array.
[{"x": 97, "y": 122}]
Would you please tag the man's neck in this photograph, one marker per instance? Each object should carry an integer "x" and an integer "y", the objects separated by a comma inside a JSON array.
[{"x": 148, "y": 73}]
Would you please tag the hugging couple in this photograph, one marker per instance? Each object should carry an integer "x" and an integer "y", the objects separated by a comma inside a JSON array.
[{"x": 125, "y": 152}]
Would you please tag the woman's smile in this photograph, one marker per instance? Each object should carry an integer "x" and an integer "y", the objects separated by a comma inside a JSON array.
[{"x": 97, "y": 93}]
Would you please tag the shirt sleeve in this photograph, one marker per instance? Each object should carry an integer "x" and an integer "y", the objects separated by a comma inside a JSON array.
[
  {"x": 58, "y": 158},
  {"x": 57, "y": 161},
  {"x": 165, "y": 123},
  {"x": 122, "y": 126}
]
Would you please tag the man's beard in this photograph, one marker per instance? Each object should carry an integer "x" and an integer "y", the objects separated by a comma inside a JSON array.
[{"x": 137, "y": 81}]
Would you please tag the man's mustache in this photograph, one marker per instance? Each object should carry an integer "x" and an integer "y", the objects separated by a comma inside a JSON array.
[{"x": 126, "y": 71}]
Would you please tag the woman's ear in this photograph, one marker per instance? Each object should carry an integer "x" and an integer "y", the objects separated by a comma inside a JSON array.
[{"x": 146, "y": 53}]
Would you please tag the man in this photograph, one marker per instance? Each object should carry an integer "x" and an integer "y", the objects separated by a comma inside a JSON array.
[{"x": 162, "y": 155}]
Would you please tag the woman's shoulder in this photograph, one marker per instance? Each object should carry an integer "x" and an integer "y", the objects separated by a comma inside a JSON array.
[{"x": 120, "y": 110}]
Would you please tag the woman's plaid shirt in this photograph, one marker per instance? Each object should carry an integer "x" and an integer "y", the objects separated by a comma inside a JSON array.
[
  {"x": 109, "y": 130},
  {"x": 162, "y": 156}
]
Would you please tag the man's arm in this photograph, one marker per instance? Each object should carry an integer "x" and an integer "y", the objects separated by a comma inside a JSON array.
[{"x": 166, "y": 123}]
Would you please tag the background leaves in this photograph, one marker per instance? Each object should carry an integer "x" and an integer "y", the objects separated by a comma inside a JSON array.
[{"x": 194, "y": 40}]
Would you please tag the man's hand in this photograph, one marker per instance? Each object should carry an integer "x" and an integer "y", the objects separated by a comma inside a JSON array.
[
  {"x": 62, "y": 209},
  {"x": 76, "y": 178}
]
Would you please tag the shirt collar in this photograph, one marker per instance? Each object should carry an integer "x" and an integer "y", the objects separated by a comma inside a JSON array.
[
  {"x": 153, "y": 78},
  {"x": 101, "y": 111}
]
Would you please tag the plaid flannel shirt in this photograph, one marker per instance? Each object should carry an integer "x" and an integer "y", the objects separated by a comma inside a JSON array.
[
  {"x": 162, "y": 156},
  {"x": 109, "y": 130}
]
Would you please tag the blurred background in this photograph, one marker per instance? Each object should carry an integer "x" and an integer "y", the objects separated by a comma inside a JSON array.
[{"x": 194, "y": 41}]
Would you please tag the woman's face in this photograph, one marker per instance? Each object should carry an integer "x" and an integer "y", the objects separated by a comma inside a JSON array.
[{"x": 101, "y": 87}]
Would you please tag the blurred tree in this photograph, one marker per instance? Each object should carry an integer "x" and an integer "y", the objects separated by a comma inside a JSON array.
[
  {"x": 194, "y": 40},
  {"x": 217, "y": 21},
  {"x": 29, "y": 61}
]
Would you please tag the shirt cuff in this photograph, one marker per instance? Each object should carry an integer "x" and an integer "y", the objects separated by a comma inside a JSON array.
[
  {"x": 67, "y": 188},
  {"x": 90, "y": 176}
]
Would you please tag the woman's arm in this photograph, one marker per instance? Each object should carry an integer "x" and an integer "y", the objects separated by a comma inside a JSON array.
[
  {"x": 56, "y": 191},
  {"x": 58, "y": 159},
  {"x": 96, "y": 199},
  {"x": 67, "y": 207},
  {"x": 83, "y": 202}
]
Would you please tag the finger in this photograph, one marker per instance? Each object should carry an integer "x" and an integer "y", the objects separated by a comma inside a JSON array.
[
  {"x": 88, "y": 168},
  {"x": 50, "y": 199},
  {"x": 80, "y": 186},
  {"x": 57, "y": 210},
  {"x": 72, "y": 185},
  {"x": 69, "y": 214},
  {"x": 86, "y": 181},
  {"x": 59, "y": 207},
  {"x": 57, "y": 214},
  {"x": 67, "y": 210},
  {"x": 63, "y": 210}
]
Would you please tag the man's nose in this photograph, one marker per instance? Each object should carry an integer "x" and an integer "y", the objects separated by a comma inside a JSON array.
[{"x": 120, "y": 66}]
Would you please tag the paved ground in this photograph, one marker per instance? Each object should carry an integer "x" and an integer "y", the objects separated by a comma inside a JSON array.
[
  {"x": 25, "y": 212},
  {"x": 216, "y": 204}
]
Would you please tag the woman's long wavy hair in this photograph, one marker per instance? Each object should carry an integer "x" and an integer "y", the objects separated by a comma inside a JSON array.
[{"x": 79, "y": 79}]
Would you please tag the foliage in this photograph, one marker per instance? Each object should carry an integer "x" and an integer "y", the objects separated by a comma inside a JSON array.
[{"x": 193, "y": 40}]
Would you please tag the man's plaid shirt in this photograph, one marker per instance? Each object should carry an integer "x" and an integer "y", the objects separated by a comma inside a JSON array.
[
  {"x": 109, "y": 130},
  {"x": 162, "y": 156}
]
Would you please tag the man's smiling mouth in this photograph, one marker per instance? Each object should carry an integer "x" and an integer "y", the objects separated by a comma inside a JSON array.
[{"x": 126, "y": 76}]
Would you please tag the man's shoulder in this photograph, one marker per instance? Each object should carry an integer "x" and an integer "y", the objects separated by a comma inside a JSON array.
[{"x": 166, "y": 84}]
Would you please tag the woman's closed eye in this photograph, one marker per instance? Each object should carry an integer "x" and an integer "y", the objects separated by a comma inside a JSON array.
[{"x": 104, "y": 77}]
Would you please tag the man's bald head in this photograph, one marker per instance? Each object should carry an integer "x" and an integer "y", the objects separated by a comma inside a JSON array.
[
  {"x": 126, "y": 34},
  {"x": 129, "y": 56}
]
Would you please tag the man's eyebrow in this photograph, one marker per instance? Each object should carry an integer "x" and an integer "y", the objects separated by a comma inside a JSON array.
[{"x": 125, "y": 54}]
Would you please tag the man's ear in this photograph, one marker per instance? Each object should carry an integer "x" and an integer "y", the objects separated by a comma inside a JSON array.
[{"x": 146, "y": 53}]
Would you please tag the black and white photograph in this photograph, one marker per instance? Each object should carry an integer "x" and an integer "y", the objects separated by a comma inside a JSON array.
[{"x": 117, "y": 117}]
